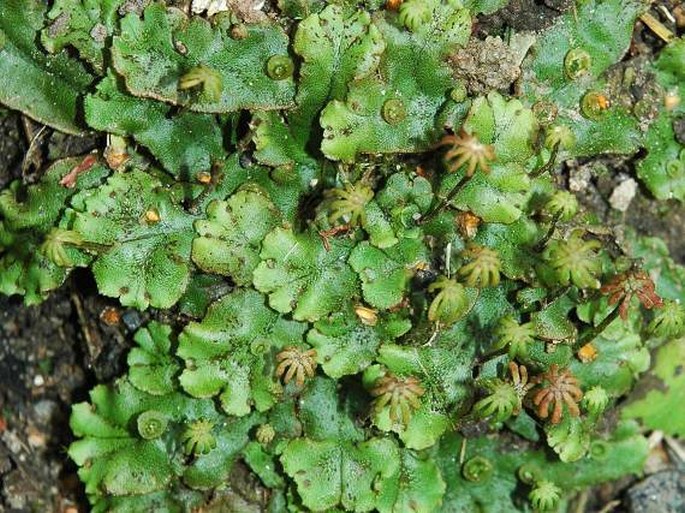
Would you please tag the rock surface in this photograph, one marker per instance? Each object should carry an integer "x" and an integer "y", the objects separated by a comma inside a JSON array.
[{"x": 661, "y": 493}]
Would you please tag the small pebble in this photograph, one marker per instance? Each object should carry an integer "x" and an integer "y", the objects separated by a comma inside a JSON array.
[
  {"x": 36, "y": 439},
  {"x": 110, "y": 316},
  {"x": 45, "y": 410},
  {"x": 579, "y": 179},
  {"x": 99, "y": 33},
  {"x": 132, "y": 320},
  {"x": 11, "y": 441},
  {"x": 623, "y": 194}
]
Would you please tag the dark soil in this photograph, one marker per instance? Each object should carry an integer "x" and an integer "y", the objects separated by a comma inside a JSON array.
[
  {"x": 50, "y": 354},
  {"x": 12, "y": 147},
  {"x": 41, "y": 374}
]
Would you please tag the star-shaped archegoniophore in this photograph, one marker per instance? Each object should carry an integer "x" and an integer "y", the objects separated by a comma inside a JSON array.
[
  {"x": 556, "y": 389},
  {"x": 402, "y": 394},
  {"x": 575, "y": 260},
  {"x": 296, "y": 363},
  {"x": 467, "y": 149},
  {"x": 348, "y": 202},
  {"x": 622, "y": 287},
  {"x": 483, "y": 267}
]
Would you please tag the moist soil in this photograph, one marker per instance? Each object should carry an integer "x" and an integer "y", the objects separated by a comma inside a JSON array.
[{"x": 53, "y": 353}]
